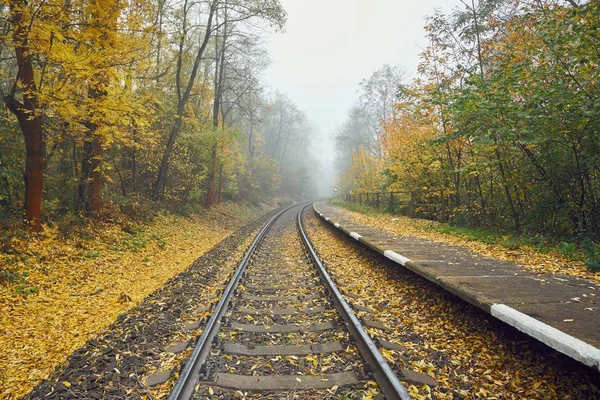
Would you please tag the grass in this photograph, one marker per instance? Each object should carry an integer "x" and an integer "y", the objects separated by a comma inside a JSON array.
[{"x": 586, "y": 251}]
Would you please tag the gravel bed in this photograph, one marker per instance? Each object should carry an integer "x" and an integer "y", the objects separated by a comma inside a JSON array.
[
  {"x": 346, "y": 393},
  {"x": 116, "y": 363},
  {"x": 469, "y": 353},
  {"x": 295, "y": 304},
  {"x": 300, "y": 318},
  {"x": 276, "y": 339},
  {"x": 292, "y": 365}
]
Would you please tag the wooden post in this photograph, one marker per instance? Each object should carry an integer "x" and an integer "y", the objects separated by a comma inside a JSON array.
[
  {"x": 411, "y": 205},
  {"x": 442, "y": 216},
  {"x": 391, "y": 206},
  {"x": 377, "y": 201}
]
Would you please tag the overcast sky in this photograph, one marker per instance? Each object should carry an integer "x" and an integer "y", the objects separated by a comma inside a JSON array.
[{"x": 329, "y": 46}]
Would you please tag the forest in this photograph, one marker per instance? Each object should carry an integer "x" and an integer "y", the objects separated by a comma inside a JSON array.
[
  {"x": 128, "y": 106},
  {"x": 503, "y": 118},
  {"x": 146, "y": 160},
  {"x": 114, "y": 106}
]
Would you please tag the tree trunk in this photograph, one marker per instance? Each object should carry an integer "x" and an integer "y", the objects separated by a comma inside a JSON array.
[
  {"x": 157, "y": 191},
  {"x": 182, "y": 99},
  {"x": 210, "y": 191},
  {"x": 219, "y": 78},
  {"x": 34, "y": 164},
  {"x": 219, "y": 195},
  {"x": 29, "y": 118},
  {"x": 90, "y": 184}
]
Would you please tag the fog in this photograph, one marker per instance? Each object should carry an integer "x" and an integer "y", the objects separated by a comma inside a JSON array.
[{"x": 329, "y": 46}]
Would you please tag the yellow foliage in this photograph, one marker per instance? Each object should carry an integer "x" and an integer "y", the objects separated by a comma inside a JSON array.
[
  {"x": 527, "y": 257},
  {"x": 408, "y": 158},
  {"x": 80, "y": 283},
  {"x": 86, "y": 48},
  {"x": 365, "y": 172}
]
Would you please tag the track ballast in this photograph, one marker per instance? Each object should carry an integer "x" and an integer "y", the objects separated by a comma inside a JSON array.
[{"x": 283, "y": 330}]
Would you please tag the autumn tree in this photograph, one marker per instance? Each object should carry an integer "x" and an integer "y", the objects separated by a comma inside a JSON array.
[
  {"x": 22, "y": 99},
  {"x": 269, "y": 10},
  {"x": 502, "y": 116},
  {"x": 361, "y": 134}
]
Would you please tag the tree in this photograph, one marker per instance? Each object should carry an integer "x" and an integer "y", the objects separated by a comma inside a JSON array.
[
  {"x": 23, "y": 101},
  {"x": 362, "y": 131},
  {"x": 269, "y": 10}
]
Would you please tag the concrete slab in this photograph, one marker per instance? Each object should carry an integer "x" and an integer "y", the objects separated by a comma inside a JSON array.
[
  {"x": 512, "y": 289},
  {"x": 416, "y": 378},
  {"x": 466, "y": 266},
  {"x": 575, "y": 318},
  {"x": 240, "y": 349},
  {"x": 375, "y": 324},
  {"x": 328, "y": 347},
  {"x": 279, "y": 279},
  {"x": 358, "y": 307},
  {"x": 279, "y": 311},
  {"x": 178, "y": 347},
  {"x": 284, "y": 382},
  {"x": 276, "y": 328},
  {"x": 391, "y": 345},
  {"x": 192, "y": 326},
  {"x": 204, "y": 309},
  {"x": 279, "y": 286},
  {"x": 158, "y": 378},
  {"x": 281, "y": 298}
]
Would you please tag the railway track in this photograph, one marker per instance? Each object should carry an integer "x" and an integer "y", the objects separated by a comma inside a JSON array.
[{"x": 283, "y": 330}]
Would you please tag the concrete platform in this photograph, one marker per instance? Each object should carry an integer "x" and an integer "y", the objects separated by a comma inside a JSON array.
[{"x": 559, "y": 310}]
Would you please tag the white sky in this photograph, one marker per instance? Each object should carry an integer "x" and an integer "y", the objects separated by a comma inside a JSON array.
[{"x": 329, "y": 46}]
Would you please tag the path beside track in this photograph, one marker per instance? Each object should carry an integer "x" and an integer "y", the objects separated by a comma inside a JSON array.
[{"x": 558, "y": 310}]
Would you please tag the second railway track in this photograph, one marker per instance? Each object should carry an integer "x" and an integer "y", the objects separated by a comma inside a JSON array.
[{"x": 283, "y": 330}]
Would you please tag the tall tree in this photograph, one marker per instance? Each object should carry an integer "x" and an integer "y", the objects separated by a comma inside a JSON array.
[
  {"x": 23, "y": 101},
  {"x": 102, "y": 36},
  {"x": 268, "y": 10}
]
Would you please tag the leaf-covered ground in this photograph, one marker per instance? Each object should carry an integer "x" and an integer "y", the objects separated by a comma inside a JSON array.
[
  {"x": 526, "y": 256},
  {"x": 282, "y": 253},
  {"x": 470, "y": 354},
  {"x": 57, "y": 291}
]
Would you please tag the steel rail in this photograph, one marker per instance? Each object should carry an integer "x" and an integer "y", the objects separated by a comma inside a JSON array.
[
  {"x": 184, "y": 387},
  {"x": 387, "y": 380}
]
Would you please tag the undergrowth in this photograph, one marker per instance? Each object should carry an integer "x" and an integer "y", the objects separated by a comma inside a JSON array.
[{"x": 572, "y": 249}]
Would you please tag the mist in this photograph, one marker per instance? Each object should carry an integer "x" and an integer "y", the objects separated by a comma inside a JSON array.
[{"x": 329, "y": 47}]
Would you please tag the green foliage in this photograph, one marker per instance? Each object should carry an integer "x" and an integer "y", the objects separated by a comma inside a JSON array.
[
  {"x": 12, "y": 156},
  {"x": 593, "y": 259},
  {"x": 18, "y": 280},
  {"x": 505, "y": 118},
  {"x": 136, "y": 239},
  {"x": 568, "y": 250}
]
